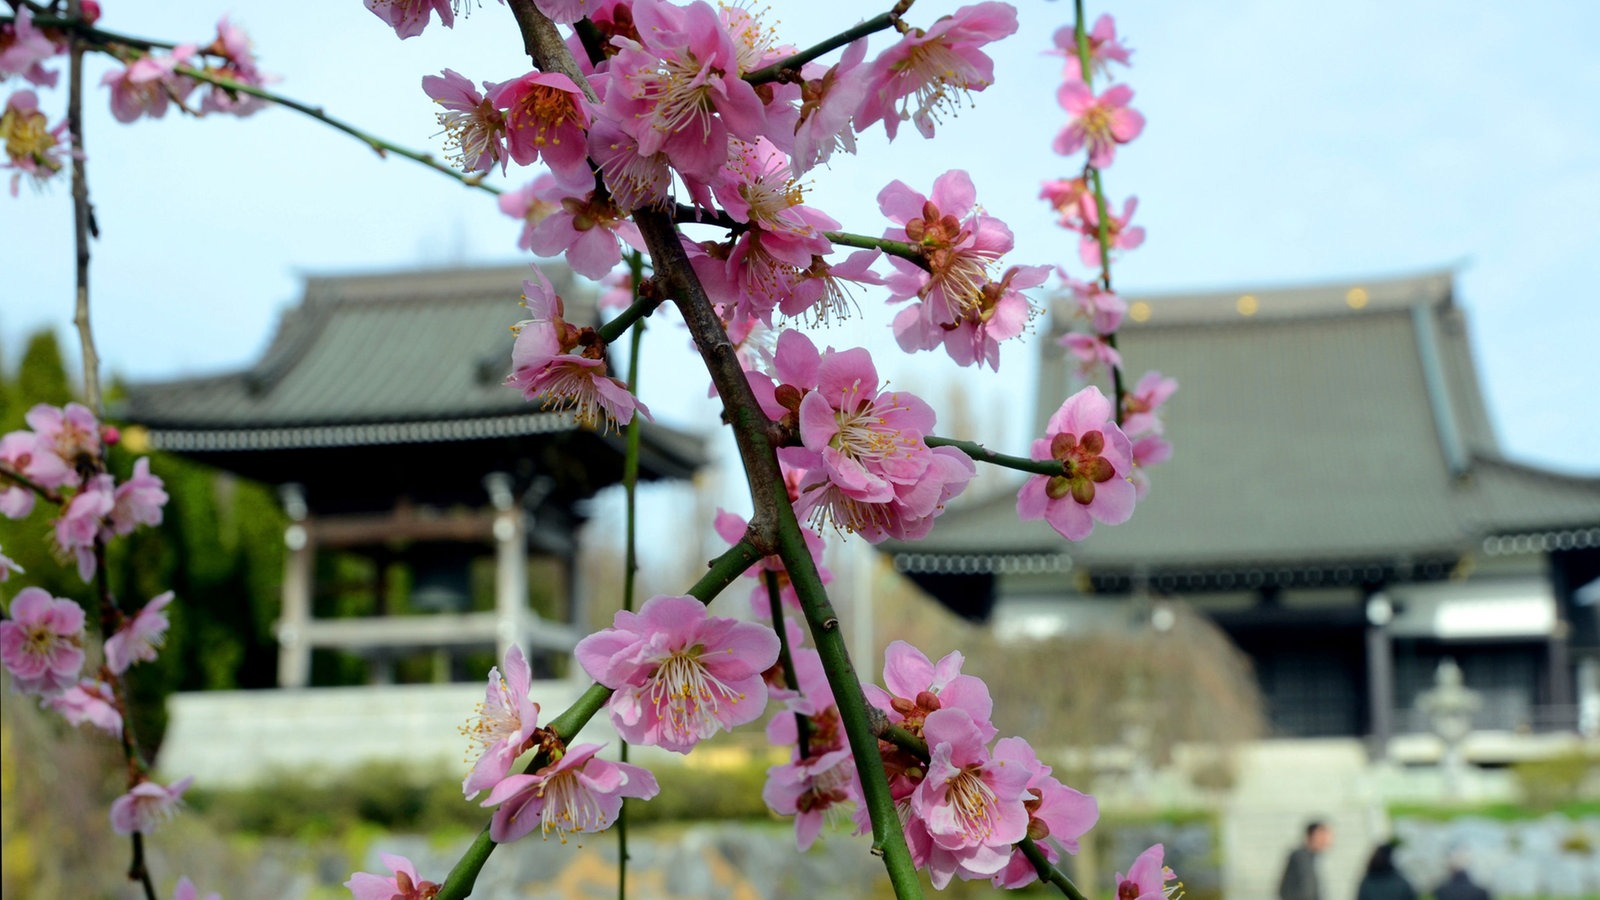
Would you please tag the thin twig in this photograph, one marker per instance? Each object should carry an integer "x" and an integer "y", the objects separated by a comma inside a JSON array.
[
  {"x": 83, "y": 224},
  {"x": 983, "y": 454},
  {"x": 794, "y": 61}
]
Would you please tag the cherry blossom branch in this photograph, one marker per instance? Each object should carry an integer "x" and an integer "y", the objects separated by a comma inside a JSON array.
[
  {"x": 630, "y": 484},
  {"x": 21, "y": 480},
  {"x": 773, "y": 516},
  {"x": 105, "y": 42},
  {"x": 720, "y": 573},
  {"x": 44, "y": 18},
  {"x": 789, "y": 66},
  {"x": 888, "y": 835},
  {"x": 636, "y": 311},
  {"x": 902, "y": 249},
  {"x": 802, "y": 722},
  {"x": 379, "y": 145},
  {"x": 980, "y": 453},
  {"x": 110, "y": 621},
  {"x": 83, "y": 224},
  {"x": 1048, "y": 873},
  {"x": 1102, "y": 222},
  {"x": 688, "y": 215}
]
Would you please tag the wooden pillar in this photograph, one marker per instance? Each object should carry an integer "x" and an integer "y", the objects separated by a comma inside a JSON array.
[
  {"x": 1380, "y": 675},
  {"x": 510, "y": 564},
  {"x": 294, "y": 650}
]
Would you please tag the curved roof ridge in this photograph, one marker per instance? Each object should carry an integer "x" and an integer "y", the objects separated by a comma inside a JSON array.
[{"x": 1306, "y": 300}]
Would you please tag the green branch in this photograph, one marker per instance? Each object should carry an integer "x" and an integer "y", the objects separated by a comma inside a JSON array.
[
  {"x": 982, "y": 454},
  {"x": 723, "y": 571},
  {"x": 1102, "y": 221},
  {"x": 105, "y": 42},
  {"x": 902, "y": 249},
  {"x": 379, "y": 145},
  {"x": 802, "y": 722}
]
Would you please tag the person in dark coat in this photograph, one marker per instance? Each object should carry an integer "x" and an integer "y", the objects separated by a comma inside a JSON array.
[
  {"x": 1382, "y": 880},
  {"x": 1300, "y": 880},
  {"x": 1459, "y": 886}
]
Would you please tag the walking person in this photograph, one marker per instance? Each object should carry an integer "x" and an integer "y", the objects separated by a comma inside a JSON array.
[
  {"x": 1460, "y": 886},
  {"x": 1300, "y": 881},
  {"x": 1382, "y": 880}
]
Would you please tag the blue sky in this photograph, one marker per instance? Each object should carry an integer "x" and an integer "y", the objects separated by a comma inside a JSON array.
[{"x": 1286, "y": 144}]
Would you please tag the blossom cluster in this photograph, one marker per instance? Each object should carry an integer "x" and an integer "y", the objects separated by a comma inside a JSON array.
[
  {"x": 60, "y": 457},
  {"x": 1103, "y": 444},
  {"x": 149, "y": 81},
  {"x": 678, "y": 103},
  {"x": 565, "y": 366},
  {"x": 60, "y": 454},
  {"x": 858, "y": 456}
]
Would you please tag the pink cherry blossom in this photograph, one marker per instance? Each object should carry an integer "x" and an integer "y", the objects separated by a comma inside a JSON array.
[
  {"x": 1100, "y": 122},
  {"x": 929, "y": 73},
  {"x": 1102, "y": 308},
  {"x": 16, "y": 502},
  {"x": 635, "y": 178},
  {"x": 864, "y": 440},
  {"x": 731, "y": 528},
  {"x": 906, "y": 516},
  {"x": 677, "y": 88},
  {"x": 971, "y": 804},
  {"x": 961, "y": 246},
  {"x": 41, "y": 644},
  {"x": 1065, "y": 196},
  {"x": 24, "y": 48},
  {"x": 67, "y": 439},
  {"x": 140, "y": 637},
  {"x": 404, "y": 884},
  {"x": 529, "y": 205},
  {"x": 185, "y": 890},
  {"x": 1001, "y": 313},
  {"x": 409, "y": 17},
  {"x": 588, "y": 229},
  {"x": 545, "y": 119},
  {"x": 865, "y": 467},
  {"x": 233, "y": 47},
  {"x": 808, "y": 788},
  {"x": 1139, "y": 406},
  {"x": 828, "y": 101},
  {"x": 819, "y": 291},
  {"x": 83, "y": 521},
  {"x": 564, "y": 12},
  {"x": 915, "y": 686},
  {"x": 1057, "y": 815},
  {"x": 504, "y": 726},
  {"x": 579, "y": 792},
  {"x": 1096, "y": 459},
  {"x": 92, "y": 701},
  {"x": 146, "y": 85},
  {"x": 680, "y": 675},
  {"x": 138, "y": 500},
  {"x": 1093, "y": 352},
  {"x": 1118, "y": 235},
  {"x": 1147, "y": 879},
  {"x": 1104, "y": 49},
  {"x": 545, "y": 366},
  {"x": 32, "y": 147},
  {"x": 16, "y": 453},
  {"x": 147, "y": 805},
  {"x": 474, "y": 127}
]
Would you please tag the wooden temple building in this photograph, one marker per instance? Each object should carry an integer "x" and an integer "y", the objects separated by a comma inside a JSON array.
[
  {"x": 378, "y": 411},
  {"x": 1337, "y": 503}
]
